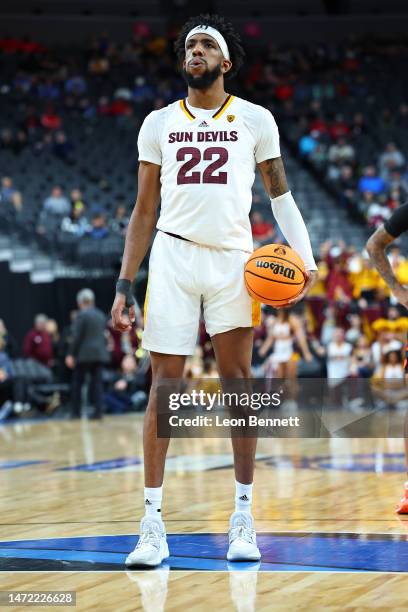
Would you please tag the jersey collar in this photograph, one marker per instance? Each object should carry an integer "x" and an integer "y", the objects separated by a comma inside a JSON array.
[{"x": 216, "y": 115}]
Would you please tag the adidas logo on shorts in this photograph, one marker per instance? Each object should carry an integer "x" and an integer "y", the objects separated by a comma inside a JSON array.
[{"x": 203, "y": 124}]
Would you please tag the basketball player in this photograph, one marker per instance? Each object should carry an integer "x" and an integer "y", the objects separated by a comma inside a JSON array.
[
  {"x": 376, "y": 247},
  {"x": 199, "y": 154}
]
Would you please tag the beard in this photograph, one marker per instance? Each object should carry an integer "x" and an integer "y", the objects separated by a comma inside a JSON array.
[{"x": 203, "y": 81}]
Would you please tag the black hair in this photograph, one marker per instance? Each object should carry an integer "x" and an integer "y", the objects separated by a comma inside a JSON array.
[{"x": 232, "y": 38}]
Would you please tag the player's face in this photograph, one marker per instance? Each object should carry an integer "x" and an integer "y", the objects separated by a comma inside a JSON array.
[{"x": 204, "y": 62}]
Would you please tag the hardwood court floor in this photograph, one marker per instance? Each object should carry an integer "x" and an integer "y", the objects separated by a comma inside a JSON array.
[{"x": 71, "y": 496}]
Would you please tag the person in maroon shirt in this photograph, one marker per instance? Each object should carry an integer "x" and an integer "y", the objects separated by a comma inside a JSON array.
[
  {"x": 38, "y": 342},
  {"x": 261, "y": 229}
]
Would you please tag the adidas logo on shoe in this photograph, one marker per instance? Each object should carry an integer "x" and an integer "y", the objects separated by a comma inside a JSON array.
[
  {"x": 244, "y": 498},
  {"x": 148, "y": 502},
  {"x": 203, "y": 124}
]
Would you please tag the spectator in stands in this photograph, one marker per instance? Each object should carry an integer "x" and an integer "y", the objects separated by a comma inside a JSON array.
[
  {"x": 75, "y": 85},
  {"x": 76, "y": 196},
  {"x": 307, "y": 145},
  {"x": 38, "y": 342},
  {"x": 51, "y": 327},
  {"x": 9, "y": 195},
  {"x": 99, "y": 229},
  {"x": 47, "y": 89},
  {"x": 62, "y": 147},
  {"x": 354, "y": 332},
  {"x": 19, "y": 142},
  {"x": 348, "y": 187},
  {"x": 76, "y": 223},
  {"x": 338, "y": 285},
  {"x": 50, "y": 120},
  {"x": 339, "y": 127},
  {"x": 359, "y": 126},
  {"x": 261, "y": 230},
  {"x": 371, "y": 181},
  {"x": 373, "y": 209},
  {"x": 391, "y": 367},
  {"x": 120, "y": 221},
  {"x": 129, "y": 388},
  {"x": 57, "y": 203},
  {"x": 6, "y": 139},
  {"x": 361, "y": 364},
  {"x": 98, "y": 65},
  {"x": 341, "y": 152},
  {"x": 88, "y": 353},
  {"x": 391, "y": 159},
  {"x": 338, "y": 356}
]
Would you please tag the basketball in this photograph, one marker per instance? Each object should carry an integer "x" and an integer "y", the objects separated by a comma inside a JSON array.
[{"x": 274, "y": 274}]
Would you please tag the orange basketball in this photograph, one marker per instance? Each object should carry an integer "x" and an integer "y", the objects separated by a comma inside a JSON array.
[{"x": 274, "y": 274}]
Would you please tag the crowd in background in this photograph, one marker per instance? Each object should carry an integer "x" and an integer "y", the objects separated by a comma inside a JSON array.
[
  {"x": 342, "y": 109},
  {"x": 348, "y": 327}
]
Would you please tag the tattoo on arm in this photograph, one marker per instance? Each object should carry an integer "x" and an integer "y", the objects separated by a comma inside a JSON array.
[
  {"x": 376, "y": 247},
  {"x": 275, "y": 177}
]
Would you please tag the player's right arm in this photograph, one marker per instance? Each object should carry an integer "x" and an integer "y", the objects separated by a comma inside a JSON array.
[
  {"x": 138, "y": 237},
  {"x": 377, "y": 245}
]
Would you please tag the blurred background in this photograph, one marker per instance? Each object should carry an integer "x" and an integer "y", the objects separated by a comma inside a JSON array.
[{"x": 77, "y": 79}]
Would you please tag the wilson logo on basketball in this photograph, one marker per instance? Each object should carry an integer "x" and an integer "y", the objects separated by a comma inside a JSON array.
[{"x": 277, "y": 268}]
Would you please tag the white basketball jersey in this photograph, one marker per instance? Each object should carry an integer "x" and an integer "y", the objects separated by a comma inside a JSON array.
[{"x": 208, "y": 160}]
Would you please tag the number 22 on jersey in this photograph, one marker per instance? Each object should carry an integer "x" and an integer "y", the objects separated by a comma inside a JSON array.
[{"x": 186, "y": 174}]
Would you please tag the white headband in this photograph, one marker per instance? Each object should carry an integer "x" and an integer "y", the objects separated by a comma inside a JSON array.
[{"x": 202, "y": 29}]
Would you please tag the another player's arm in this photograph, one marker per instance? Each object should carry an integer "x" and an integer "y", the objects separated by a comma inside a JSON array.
[
  {"x": 376, "y": 247},
  {"x": 289, "y": 218},
  {"x": 138, "y": 236}
]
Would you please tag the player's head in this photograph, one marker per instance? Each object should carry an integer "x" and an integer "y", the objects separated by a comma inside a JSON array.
[{"x": 208, "y": 48}]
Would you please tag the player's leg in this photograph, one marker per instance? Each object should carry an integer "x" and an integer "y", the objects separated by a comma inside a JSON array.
[
  {"x": 230, "y": 314},
  {"x": 172, "y": 311},
  {"x": 152, "y": 547},
  {"x": 233, "y": 352},
  {"x": 154, "y": 448}
]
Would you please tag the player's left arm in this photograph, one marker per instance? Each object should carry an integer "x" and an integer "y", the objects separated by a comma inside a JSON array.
[{"x": 289, "y": 218}]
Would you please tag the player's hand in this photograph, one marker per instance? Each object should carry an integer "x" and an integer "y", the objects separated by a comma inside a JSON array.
[
  {"x": 120, "y": 320},
  {"x": 401, "y": 294},
  {"x": 311, "y": 278}
]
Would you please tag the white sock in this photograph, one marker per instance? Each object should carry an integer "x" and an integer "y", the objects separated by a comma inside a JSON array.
[
  {"x": 153, "y": 499},
  {"x": 243, "y": 497}
]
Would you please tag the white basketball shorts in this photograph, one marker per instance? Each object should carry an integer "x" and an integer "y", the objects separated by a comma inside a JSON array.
[{"x": 185, "y": 276}]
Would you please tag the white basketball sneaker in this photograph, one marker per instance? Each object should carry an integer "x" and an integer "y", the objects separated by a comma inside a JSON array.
[
  {"x": 152, "y": 547},
  {"x": 242, "y": 538}
]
